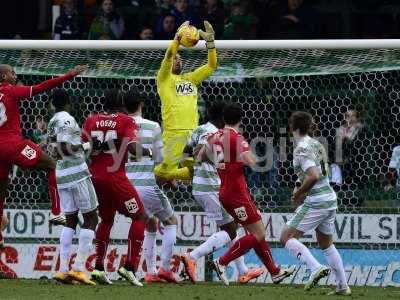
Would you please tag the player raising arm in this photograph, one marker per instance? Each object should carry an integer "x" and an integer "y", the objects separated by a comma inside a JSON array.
[
  {"x": 15, "y": 150},
  {"x": 75, "y": 189},
  {"x": 318, "y": 204},
  {"x": 230, "y": 151},
  {"x": 206, "y": 185},
  {"x": 114, "y": 135},
  {"x": 179, "y": 95}
]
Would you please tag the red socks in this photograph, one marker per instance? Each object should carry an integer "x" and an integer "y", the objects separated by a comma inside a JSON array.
[
  {"x": 102, "y": 239},
  {"x": 135, "y": 241},
  {"x": 243, "y": 245},
  {"x": 264, "y": 253},
  {"x": 239, "y": 248},
  {"x": 53, "y": 192}
]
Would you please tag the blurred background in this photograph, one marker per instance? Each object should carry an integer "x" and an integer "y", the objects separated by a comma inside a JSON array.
[{"x": 232, "y": 19}]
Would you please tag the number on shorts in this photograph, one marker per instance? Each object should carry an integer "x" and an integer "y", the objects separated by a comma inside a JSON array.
[{"x": 3, "y": 116}]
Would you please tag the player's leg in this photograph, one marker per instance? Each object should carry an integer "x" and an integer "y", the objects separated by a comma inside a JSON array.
[
  {"x": 215, "y": 213},
  {"x": 67, "y": 233},
  {"x": 56, "y": 217},
  {"x": 305, "y": 219},
  {"x": 106, "y": 211},
  {"x": 324, "y": 234},
  {"x": 86, "y": 200},
  {"x": 174, "y": 143},
  {"x": 3, "y": 193},
  {"x": 246, "y": 213},
  {"x": 150, "y": 250},
  {"x": 129, "y": 204},
  {"x": 162, "y": 209}
]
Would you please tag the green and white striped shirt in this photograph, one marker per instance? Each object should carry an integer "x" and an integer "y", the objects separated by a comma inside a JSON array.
[
  {"x": 205, "y": 179},
  {"x": 141, "y": 173},
  {"x": 311, "y": 153},
  {"x": 71, "y": 169}
]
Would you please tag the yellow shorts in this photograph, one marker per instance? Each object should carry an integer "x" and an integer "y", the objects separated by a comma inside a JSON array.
[{"x": 174, "y": 143}]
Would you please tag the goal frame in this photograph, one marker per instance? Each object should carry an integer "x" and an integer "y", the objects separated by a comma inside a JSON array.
[{"x": 220, "y": 44}]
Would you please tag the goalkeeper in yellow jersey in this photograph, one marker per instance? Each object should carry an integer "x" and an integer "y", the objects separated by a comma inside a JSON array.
[{"x": 179, "y": 94}]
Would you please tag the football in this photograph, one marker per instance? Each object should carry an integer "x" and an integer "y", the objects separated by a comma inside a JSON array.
[{"x": 189, "y": 36}]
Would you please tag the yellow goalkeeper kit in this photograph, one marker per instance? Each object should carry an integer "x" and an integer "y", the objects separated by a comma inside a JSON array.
[{"x": 179, "y": 112}]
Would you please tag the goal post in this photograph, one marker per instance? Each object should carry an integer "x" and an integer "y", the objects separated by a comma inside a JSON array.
[{"x": 270, "y": 79}]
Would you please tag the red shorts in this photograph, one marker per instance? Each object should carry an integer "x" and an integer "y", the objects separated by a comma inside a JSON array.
[
  {"x": 241, "y": 207},
  {"x": 116, "y": 194},
  {"x": 23, "y": 153}
]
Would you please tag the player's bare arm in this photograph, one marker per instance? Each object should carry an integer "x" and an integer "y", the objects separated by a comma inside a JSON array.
[
  {"x": 136, "y": 149},
  {"x": 68, "y": 149},
  {"x": 249, "y": 159},
  {"x": 312, "y": 176}
]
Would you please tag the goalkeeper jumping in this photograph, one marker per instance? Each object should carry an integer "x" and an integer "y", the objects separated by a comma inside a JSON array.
[{"x": 179, "y": 94}]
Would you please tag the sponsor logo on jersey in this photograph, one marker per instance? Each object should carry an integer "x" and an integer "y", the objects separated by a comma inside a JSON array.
[
  {"x": 241, "y": 213},
  {"x": 132, "y": 206},
  {"x": 29, "y": 152},
  {"x": 184, "y": 88}
]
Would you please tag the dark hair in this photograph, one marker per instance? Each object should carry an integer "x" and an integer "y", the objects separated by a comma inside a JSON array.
[
  {"x": 233, "y": 114},
  {"x": 60, "y": 98},
  {"x": 215, "y": 111},
  {"x": 301, "y": 121},
  {"x": 113, "y": 99},
  {"x": 132, "y": 101}
]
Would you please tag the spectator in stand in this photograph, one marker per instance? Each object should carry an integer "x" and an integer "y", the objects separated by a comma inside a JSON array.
[
  {"x": 68, "y": 25},
  {"x": 167, "y": 28},
  {"x": 183, "y": 12},
  {"x": 108, "y": 25},
  {"x": 393, "y": 175},
  {"x": 349, "y": 143},
  {"x": 165, "y": 6},
  {"x": 146, "y": 33},
  {"x": 213, "y": 12},
  {"x": 292, "y": 20},
  {"x": 241, "y": 24}
]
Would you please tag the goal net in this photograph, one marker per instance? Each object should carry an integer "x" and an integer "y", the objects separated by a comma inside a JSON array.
[{"x": 337, "y": 81}]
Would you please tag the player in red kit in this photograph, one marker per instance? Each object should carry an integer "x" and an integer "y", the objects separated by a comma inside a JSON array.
[
  {"x": 15, "y": 150},
  {"x": 230, "y": 151},
  {"x": 113, "y": 135}
]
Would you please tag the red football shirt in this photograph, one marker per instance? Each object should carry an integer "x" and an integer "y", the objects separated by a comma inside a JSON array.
[
  {"x": 228, "y": 146},
  {"x": 10, "y": 95},
  {"x": 104, "y": 127}
]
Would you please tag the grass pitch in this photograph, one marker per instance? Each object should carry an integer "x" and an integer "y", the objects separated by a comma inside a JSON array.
[{"x": 45, "y": 289}]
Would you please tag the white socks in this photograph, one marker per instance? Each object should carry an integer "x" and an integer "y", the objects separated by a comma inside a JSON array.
[
  {"x": 335, "y": 262},
  {"x": 301, "y": 252},
  {"x": 86, "y": 237},
  {"x": 213, "y": 243},
  {"x": 150, "y": 251},
  {"x": 65, "y": 248},
  {"x": 168, "y": 242}
]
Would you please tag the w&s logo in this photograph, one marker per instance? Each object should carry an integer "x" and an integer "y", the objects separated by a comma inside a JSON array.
[{"x": 185, "y": 88}]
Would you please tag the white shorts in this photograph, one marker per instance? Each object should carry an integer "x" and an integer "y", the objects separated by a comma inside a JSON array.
[
  {"x": 308, "y": 219},
  {"x": 155, "y": 202},
  {"x": 213, "y": 208},
  {"x": 80, "y": 197}
]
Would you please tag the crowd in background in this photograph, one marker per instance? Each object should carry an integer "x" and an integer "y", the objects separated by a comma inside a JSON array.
[{"x": 232, "y": 19}]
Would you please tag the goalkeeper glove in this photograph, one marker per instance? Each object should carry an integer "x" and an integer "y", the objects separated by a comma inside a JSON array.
[{"x": 208, "y": 35}]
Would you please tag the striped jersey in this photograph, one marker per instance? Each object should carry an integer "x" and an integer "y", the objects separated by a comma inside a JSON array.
[
  {"x": 311, "y": 153},
  {"x": 141, "y": 173},
  {"x": 205, "y": 177},
  {"x": 71, "y": 169},
  {"x": 395, "y": 163}
]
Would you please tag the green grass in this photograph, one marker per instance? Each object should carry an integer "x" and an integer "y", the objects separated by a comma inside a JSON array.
[{"x": 44, "y": 289}]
